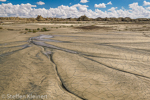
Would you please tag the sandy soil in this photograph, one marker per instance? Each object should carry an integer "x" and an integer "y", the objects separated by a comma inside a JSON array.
[{"x": 92, "y": 61}]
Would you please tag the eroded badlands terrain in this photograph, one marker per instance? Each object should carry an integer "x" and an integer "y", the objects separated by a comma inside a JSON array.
[{"x": 75, "y": 62}]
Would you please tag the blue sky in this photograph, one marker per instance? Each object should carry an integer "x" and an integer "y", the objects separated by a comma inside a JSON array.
[
  {"x": 64, "y": 8},
  {"x": 91, "y": 3}
]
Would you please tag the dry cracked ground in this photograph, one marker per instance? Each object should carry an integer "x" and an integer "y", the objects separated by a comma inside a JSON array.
[{"x": 102, "y": 62}]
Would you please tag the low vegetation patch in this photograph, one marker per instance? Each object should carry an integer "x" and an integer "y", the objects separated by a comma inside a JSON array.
[
  {"x": 1, "y": 28},
  {"x": 26, "y": 29},
  {"x": 45, "y": 29},
  {"x": 36, "y": 30},
  {"x": 29, "y": 30}
]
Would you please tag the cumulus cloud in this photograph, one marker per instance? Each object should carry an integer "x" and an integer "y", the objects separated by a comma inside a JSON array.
[
  {"x": 82, "y": 8},
  {"x": 74, "y": 11},
  {"x": 2, "y": 0},
  {"x": 148, "y": 8},
  {"x": 40, "y": 3},
  {"x": 112, "y": 9},
  {"x": 146, "y": 3},
  {"x": 139, "y": 10},
  {"x": 109, "y": 3},
  {"x": 22, "y": 10},
  {"x": 101, "y": 5},
  {"x": 83, "y": 1}
]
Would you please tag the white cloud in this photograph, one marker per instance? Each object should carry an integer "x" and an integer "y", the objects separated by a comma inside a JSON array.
[
  {"x": 148, "y": 8},
  {"x": 101, "y": 5},
  {"x": 40, "y": 3},
  {"x": 84, "y": 1},
  {"x": 74, "y": 11},
  {"x": 22, "y": 10},
  {"x": 146, "y": 3},
  {"x": 109, "y": 3},
  {"x": 112, "y": 9},
  {"x": 82, "y": 8},
  {"x": 3, "y": 0}
]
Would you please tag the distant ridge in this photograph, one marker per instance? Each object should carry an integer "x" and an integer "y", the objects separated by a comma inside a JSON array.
[{"x": 81, "y": 18}]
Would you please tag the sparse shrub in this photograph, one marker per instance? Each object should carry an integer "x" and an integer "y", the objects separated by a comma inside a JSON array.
[
  {"x": 34, "y": 31},
  {"x": 26, "y": 29},
  {"x": 29, "y": 30},
  {"x": 1, "y": 28},
  {"x": 38, "y": 29},
  {"x": 44, "y": 29},
  {"x": 41, "y": 30},
  {"x": 71, "y": 26},
  {"x": 144, "y": 26}
]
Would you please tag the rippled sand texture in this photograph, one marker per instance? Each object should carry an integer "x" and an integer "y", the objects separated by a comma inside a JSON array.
[{"x": 76, "y": 65}]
